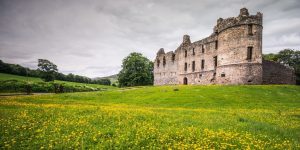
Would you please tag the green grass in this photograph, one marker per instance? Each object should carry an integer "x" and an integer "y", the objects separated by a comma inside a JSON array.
[
  {"x": 4, "y": 76},
  {"x": 21, "y": 80},
  {"x": 207, "y": 117}
]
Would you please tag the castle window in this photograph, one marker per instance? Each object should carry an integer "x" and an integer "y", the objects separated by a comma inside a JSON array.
[
  {"x": 193, "y": 66},
  {"x": 193, "y": 51},
  {"x": 216, "y": 44},
  {"x": 223, "y": 75},
  {"x": 216, "y": 61},
  {"x": 164, "y": 61},
  {"x": 202, "y": 64},
  {"x": 249, "y": 53},
  {"x": 185, "y": 66},
  {"x": 173, "y": 57},
  {"x": 250, "y": 29},
  {"x": 200, "y": 75},
  {"x": 158, "y": 62},
  {"x": 185, "y": 53}
]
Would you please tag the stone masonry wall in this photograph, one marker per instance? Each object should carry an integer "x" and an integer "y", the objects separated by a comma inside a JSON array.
[{"x": 275, "y": 73}]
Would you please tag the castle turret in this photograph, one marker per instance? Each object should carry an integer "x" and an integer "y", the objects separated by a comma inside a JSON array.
[
  {"x": 161, "y": 51},
  {"x": 244, "y": 12},
  {"x": 240, "y": 48},
  {"x": 186, "y": 39}
]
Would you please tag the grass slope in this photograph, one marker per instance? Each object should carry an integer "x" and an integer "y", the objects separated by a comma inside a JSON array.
[
  {"x": 190, "y": 117},
  {"x": 5, "y": 77}
]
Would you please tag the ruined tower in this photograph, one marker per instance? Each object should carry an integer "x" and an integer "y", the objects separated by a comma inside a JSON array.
[{"x": 232, "y": 54}]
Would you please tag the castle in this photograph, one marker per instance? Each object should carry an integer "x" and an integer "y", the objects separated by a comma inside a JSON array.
[{"x": 232, "y": 54}]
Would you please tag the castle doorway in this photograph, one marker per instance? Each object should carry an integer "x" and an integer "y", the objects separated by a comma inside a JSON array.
[{"x": 185, "y": 81}]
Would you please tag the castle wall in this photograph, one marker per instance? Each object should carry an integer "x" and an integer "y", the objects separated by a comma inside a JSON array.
[
  {"x": 165, "y": 72},
  {"x": 275, "y": 73}
]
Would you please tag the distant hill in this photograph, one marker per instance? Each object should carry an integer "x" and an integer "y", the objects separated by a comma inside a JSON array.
[{"x": 112, "y": 78}]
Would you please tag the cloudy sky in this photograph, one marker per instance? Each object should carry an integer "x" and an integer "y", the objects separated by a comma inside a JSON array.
[{"x": 91, "y": 37}]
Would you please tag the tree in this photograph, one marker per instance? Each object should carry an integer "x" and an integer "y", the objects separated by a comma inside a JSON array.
[
  {"x": 136, "y": 70},
  {"x": 48, "y": 69},
  {"x": 289, "y": 57}
]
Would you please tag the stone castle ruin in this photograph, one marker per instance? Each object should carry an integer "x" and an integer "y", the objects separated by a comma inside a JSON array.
[{"x": 232, "y": 54}]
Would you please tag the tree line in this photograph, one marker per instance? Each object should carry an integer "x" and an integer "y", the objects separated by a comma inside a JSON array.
[{"x": 48, "y": 72}]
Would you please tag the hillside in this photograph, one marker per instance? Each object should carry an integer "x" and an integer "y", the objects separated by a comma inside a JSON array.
[
  {"x": 176, "y": 117},
  {"x": 112, "y": 78},
  {"x": 18, "y": 81},
  {"x": 4, "y": 76}
]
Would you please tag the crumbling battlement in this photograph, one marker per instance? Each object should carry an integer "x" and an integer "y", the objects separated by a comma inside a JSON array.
[{"x": 243, "y": 19}]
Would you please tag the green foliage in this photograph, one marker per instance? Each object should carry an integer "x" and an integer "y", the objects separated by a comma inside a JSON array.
[
  {"x": 192, "y": 117},
  {"x": 23, "y": 71},
  {"x": 15, "y": 86},
  {"x": 288, "y": 57},
  {"x": 136, "y": 70},
  {"x": 102, "y": 81},
  {"x": 48, "y": 69},
  {"x": 17, "y": 70},
  {"x": 270, "y": 57},
  {"x": 19, "y": 84}
]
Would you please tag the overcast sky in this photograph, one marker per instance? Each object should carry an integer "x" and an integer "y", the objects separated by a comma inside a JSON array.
[{"x": 91, "y": 37}]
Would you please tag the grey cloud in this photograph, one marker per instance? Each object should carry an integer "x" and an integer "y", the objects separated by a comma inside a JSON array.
[{"x": 76, "y": 34}]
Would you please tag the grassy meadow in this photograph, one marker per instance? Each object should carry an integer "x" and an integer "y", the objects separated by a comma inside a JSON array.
[{"x": 164, "y": 117}]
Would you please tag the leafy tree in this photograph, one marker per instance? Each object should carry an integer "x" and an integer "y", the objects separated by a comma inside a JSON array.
[
  {"x": 48, "y": 69},
  {"x": 289, "y": 57},
  {"x": 136, "y": 70}
]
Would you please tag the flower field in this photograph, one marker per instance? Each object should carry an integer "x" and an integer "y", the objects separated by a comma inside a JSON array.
[{"x": 165, "y": 117}]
